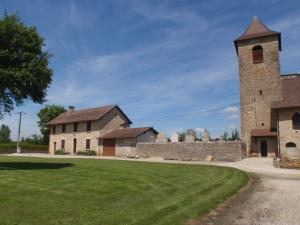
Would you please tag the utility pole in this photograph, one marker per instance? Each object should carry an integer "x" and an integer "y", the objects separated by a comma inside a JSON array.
[{"x": 19, "y": 133}]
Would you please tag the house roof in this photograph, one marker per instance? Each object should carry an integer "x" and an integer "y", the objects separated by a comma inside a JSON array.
[
  {"x": 257, "y": 29},
  {"x": 290, "y": 89},
  {"x": 262, "y": 133},
  {"x": 85, "y": 115},
  {"x": 127, "y": 132}
]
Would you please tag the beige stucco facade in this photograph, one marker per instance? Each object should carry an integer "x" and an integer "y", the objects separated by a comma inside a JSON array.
[{"x": 112, "y": 120}]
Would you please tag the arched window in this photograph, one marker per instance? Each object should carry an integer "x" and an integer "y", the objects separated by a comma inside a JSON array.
[
  {"x": 296, "y": 121},
  {"x": 290, "y": 145},
  {"x": 257, "y": 54}
]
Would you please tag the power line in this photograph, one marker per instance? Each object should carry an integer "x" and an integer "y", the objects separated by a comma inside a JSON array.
[
  {"x": 34, "y": 117},
  {"x": 188, "y": 115}
]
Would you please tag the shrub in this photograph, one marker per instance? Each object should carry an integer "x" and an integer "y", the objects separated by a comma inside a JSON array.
[
  {"x": 24, "y": 145},
  {"x": 61, "y": 152},
  {"x": 87, "y": 153}
]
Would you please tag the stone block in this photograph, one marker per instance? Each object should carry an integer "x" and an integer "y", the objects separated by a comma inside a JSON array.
[
  {"x": 161, "y": 138},
  {"x": 189, "y": 138},
  {"x": 175, "y": 137}
]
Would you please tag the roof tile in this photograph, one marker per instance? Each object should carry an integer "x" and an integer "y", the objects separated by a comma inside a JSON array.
[
  {"x": 262, "y": 133},
  {"x": 127, "y": 132},
  {"x": 84, "y": 115},
  {"x": 290, "y": 85}
]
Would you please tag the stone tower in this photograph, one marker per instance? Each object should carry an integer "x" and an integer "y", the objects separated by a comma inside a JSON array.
[{"x": 259, "y": 71}]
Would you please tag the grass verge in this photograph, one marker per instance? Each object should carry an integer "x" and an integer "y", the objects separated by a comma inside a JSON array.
[{"x": 107, "y": 192}]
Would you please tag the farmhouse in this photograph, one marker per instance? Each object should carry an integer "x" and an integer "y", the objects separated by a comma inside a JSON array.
[
  {"x": 269, "y": 101},
  {"x": 105, "y": 130}
]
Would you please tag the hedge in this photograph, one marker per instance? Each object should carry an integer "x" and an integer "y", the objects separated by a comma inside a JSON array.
[
  {"x": 87, "y": 153},
  {"x": 61, "y": 152},
  {"x": 25, "y": 146}
]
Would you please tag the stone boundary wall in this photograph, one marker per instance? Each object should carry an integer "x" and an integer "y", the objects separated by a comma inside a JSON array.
[{"x": 220, "y": 151}]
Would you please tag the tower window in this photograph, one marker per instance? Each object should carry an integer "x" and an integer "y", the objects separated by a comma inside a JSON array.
[
  {"x": 296, "y": 121},
  {"x": 260, "y": 93},
  {"x": 257, "y": 54}
]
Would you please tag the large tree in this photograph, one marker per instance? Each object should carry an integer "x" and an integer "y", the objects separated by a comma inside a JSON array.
[
  {"x": 46, "y": 114},
  {"x": 24, "y": 69},
  {"x": 4, "y": 133}
]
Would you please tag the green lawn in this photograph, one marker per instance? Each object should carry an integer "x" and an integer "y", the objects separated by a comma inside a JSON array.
[{"x": 36, "y": 191}]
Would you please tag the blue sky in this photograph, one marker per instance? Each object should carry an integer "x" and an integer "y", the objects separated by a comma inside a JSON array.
[{"x": 155, "y": 59}]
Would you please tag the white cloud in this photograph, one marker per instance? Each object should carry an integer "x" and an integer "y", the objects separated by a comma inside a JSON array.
[
  {"x": 200, "y": 130},
  {"x": 108, "y": 79},
  {"x": 231, "y": 109},
  {"x": 233, "y": 116},
  {"x": 232, "y": 126},
  {"x": 290, "y": 23}
]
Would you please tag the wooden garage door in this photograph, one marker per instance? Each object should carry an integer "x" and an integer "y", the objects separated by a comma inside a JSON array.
[{"x": 109, "y": 147}]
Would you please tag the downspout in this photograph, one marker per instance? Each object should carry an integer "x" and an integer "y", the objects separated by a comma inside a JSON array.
[{"x": 278, "y": 140}]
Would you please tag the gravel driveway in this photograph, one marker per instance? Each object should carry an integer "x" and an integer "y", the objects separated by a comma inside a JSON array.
[{"x": 273, "y": 198}]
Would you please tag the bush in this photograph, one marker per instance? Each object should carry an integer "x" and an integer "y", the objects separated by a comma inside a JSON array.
[
  {"x": 87, "y": 153},
  {"x": 24, "y": 145},
  {"x": 61, "y": 152}
]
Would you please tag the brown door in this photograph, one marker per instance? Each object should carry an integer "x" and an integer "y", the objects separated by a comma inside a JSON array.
[
  {"x": 109, "y": 147},
  {"x": 264, "y": 148},
  {"x": 54, "y": 147}
]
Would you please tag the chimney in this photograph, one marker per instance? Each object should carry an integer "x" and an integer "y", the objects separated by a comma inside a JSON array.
[{"x": 71, "y": 109}]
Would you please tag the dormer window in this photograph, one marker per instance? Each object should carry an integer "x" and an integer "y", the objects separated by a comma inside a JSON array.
[{"x": 257, "y": 54}]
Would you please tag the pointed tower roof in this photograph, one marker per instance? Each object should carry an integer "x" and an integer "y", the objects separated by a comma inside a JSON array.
[{"x": 257, "y": 29}]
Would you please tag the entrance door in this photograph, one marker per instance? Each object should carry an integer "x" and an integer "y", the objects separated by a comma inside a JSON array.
[
  {"x": 109, "y": 147},
  {"x": 54, "y": 147},
  {"x": 264, "y": 148},
  {"x": 74, "y": 145}
]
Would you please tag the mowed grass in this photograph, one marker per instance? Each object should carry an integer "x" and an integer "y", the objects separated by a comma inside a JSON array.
[{"x": 35, "y": 191}]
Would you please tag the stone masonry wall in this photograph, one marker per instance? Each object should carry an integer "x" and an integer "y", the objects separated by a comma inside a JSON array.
[
  {"x": 286, "y": 131},
  {"x": 112, "y": 120},
  {"x": 260, "y": 84},
  {"x": 221, "y": 151}
]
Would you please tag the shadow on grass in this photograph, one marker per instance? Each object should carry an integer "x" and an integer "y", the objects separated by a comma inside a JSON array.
[{"x": 32, "y": 165}]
